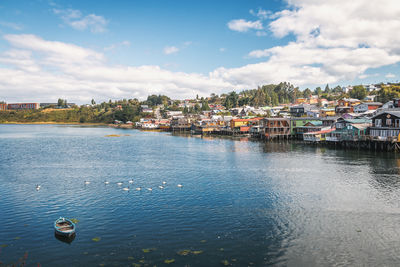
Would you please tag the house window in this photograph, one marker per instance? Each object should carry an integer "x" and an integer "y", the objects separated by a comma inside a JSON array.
[
  {"x": 388, "y": 122},
  {"x": 378, "y": 122},
  {"x": 397, "y": 123}
]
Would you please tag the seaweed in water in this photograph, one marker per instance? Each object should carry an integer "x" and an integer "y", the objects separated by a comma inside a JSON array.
[
  {"x": 74, "y": 220},
  {"x": 96, "y": 239},
  {"x": 168, "y": 261},
  {"x": 184, "y": 252}
]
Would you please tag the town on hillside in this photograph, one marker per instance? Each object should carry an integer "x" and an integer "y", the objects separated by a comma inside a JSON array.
[{"x": 353, "y": 116}]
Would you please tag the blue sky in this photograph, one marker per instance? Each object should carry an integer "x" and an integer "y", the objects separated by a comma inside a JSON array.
[{"x": 123, "y": 49}]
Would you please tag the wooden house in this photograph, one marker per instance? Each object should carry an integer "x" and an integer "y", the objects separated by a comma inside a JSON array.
[
  {"x": 317, "y": 136},
  {"x": 349, "y": 130},
  {"x": 385, "y": 126},
  {"x": 275, "y": 128}
]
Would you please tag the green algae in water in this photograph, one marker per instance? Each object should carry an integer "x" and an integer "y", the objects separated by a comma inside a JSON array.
[
  {"x": 203, "y": 241},
  {"x": 136, "y": 265},
  {"x": 184, "y": 252},
  {"x": 131, "y": 258},
  {"x": 221, "y": 249},
  {"x": 169, "y": 261},
  {"x": 147, "y": 250},
  {"x": 96, "y": 239},
  {"x": 17, "y": 238},
  {"x": 4, "y": 245},
  {"x": 85, "y": 253},
  {"x": 74, "y": 220},
  {"x": 225, "y": 262},
  {"x": 197, "y": 252},
  {"x": 142, "y": 261}
]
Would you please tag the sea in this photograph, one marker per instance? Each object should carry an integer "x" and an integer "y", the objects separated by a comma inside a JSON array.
[{"x": 203, "y": 201}]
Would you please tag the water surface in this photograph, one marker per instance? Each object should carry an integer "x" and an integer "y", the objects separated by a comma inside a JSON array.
[{"x": 242, "y": 203}]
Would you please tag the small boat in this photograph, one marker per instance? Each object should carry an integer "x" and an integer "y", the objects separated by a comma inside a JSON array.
[{"x": 64, "y": 227}]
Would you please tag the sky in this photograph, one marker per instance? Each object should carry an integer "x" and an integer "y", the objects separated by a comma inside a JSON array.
[{"x": 79, "y": 50}]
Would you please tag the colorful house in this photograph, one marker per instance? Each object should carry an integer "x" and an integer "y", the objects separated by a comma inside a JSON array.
[
  {"x": 349, "y": 130},
  {"x": 275, "y": 128},
  {"x": 385, "y": 126}
]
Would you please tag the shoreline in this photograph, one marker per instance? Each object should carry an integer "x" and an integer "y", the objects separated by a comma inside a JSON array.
[{"x": 56, "y": 123}]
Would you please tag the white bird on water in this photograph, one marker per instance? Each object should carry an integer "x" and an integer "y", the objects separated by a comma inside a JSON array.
[
  {"x": 131, "y": 181},
  {"x": 179, "y": 185},
  {"x": 126, "y": 188},
  {"x": 119, "y": 183},
  {"x": 37, "y": 187},
  {"x": 138, "y": 188},
  {"x": 150, "y": 189},
  {"x": 161, "y": 187},
  {"x": 106, "y": 182},
  {"x": 87, "y": 182},
  {"x": 164, "y": 182}
]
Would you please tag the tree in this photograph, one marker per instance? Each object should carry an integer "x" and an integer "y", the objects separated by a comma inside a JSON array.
[
  {"x": 93, "y": 102},
  {"x": 60, "y": 102},
  {"x": 337, "y": 89},
  {"x": 358, "y": 92},
  {"x": 327, "y": 90},
  {"x": 259, "y": 98},
  {"x": 307, "y": 93},
  {"x": 231, "y": 100},
  {"x": 318, "y": 91}
]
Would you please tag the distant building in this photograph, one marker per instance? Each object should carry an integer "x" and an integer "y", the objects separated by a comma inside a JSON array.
[
  {"x": 360, "y": 108},
  {"x": 3, "y": 107},
  {"x": 300, "y": 110},
  {"x": 23, "y": 106}
]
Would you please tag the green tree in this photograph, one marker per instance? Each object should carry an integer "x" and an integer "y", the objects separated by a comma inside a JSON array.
[
  {"x": 358, "y": 92},
  {"x": 327, "y": 90},
  {"x": 61, "y": 102},
  {"x": 318, "y": 91},
  {"x": 307, "y": 93}
]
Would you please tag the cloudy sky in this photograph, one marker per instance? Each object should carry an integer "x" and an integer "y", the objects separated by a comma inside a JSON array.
[{"x": 81, "y": 50}]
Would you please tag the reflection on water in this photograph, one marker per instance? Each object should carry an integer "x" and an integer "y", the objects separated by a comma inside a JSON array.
[
  {"x": 243, "y": 203},
  {"x": 65, "y": 239}
]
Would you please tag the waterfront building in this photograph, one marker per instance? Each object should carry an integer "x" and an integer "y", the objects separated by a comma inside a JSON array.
[
  {"x": 3, "y": 107},
  {"x": 311, "y": 126},
  {"x": 349, "y": 130},
  {"x": 299, "y": 122},
  {"x": 385, "y": 126},
  {"x": 275, "y": 128},
  {"x": 317, "y": 136}
]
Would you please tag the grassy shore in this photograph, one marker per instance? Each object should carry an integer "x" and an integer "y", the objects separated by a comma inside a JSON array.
[{"x": 61, "y": 123}]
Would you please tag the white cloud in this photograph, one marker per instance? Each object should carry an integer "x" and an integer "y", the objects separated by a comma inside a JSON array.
[
  {"x": 11, "y": 25},
  {"x": 332, "y": 42},
  {"x": 117, "y": 45},
  {"x": 390, "y": 75},
  {"x": 242, "y": 25},
  {"x": 261, "y": 13},
  {"x": 75, "y": 19},
  {"x": 222, "y": 49},
  {"x": 41, "y": 70},
  {"x": 168, "y": 50}
]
